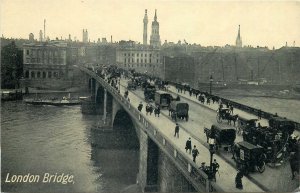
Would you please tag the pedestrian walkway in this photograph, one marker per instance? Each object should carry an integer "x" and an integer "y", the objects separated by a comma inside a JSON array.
[{"x": 226, "y": 180}]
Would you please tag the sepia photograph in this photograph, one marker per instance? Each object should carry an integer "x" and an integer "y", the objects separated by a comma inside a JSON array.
[{"x": 128, "y": 96}]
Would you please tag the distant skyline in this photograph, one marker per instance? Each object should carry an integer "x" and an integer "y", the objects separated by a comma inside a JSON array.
[{"x": 209, "y": 23}]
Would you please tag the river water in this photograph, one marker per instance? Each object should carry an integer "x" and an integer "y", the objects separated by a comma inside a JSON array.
[{"x": 48, "y": 139}]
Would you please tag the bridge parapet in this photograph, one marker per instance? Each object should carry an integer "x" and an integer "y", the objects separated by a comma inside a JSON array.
[{"x": 188, "y": 168}]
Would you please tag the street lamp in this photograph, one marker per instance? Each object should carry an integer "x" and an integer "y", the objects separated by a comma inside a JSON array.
[
  {"x": 210, "y": 85},
  {"x": 211, "y": 142}
]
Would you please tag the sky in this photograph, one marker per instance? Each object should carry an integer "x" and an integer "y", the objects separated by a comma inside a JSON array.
[{"x": 209, "y": 23}]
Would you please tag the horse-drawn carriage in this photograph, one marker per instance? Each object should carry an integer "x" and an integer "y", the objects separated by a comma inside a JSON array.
[
  {"x": 249, "y": 157},
  {"x": 243, "y": 124},
  {"x": 179, "y": 109},
  {"x": 224, "y": 135},
  {"x": 275, "y": 139},
  {"x": 225, "y": 114}
]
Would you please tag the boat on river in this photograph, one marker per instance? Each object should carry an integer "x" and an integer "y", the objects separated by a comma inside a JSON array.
[{"x": 68, "y": 101}]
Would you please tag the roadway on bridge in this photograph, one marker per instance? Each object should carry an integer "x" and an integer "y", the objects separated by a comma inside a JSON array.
[
  {"x": 226, "y": 180},
  {"x": 273, "y": 179}
]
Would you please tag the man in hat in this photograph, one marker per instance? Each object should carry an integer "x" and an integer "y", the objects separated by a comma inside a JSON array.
[
  {"x": 188, "y": 145},
  {"x": 195, "y": 153},
  {"x": 176, "y": 130},
  {"x": 215, "y": 168}
]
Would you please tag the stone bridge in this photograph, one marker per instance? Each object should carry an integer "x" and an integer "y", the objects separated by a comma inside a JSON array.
[{"x": 161, "y": 166}]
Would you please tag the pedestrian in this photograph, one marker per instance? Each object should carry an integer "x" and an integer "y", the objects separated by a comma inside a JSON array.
[
  {"x": 238, "y": 180},
  {"x": 294, "y": 163},
  {"x": 188, "y": 145},
  {"x": 157, "y": 111},
  {"x": 176, "y": 130},
  {"x": 195, "y": 153},
  {"x": 215, "y": 168},
  {"x": 147, "y": 108},
  {"x": 140, "y": 107},
  {"x": 231, "y": 109},
  {"x": 151, "y": 110}
]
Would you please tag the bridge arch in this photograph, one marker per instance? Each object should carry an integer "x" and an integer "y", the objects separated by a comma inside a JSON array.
[{"x": 124, "y": 125}]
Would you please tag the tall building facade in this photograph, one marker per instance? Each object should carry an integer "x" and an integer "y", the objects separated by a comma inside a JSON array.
[
  {"x": 238, "y": 42},
  {"x": 145, "y": 28},
  {"x": 155, "y": 38}
]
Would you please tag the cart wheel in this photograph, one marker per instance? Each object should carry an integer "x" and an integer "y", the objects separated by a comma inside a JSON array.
[
  {"x": 219, "y": 119},
  {"x": 261, "y": 168}
]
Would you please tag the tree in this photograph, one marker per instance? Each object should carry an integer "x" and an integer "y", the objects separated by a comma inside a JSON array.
[{"x": 11, "y": 66}]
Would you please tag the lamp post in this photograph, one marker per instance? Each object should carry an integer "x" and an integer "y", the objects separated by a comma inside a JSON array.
[
  {"x": 211, "y": 142},
  {"x": 210, "y": 85}
]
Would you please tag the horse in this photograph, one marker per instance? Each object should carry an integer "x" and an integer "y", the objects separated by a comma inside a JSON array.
[{"x": 233, "y": 118}]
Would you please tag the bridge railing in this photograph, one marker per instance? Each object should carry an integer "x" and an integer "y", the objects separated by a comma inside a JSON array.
[
  {"x": 197, "y": 177},
  {"x": 245, "y": 108}
]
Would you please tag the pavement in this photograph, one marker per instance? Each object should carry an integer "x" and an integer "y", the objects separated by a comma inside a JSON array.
[{"x": 227, "y": 172}]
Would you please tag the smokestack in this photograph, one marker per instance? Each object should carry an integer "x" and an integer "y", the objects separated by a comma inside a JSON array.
[{"x": 44, "y": 29}]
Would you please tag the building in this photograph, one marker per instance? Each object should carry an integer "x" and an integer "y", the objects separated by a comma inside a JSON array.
[
  {"x": 155, "y": 38},
  {"x": 85, "y": 36},
  {"x": 179, "y": 69},
  {"x": 47, "y": 60},
  {"x": 238, "y": 42},
  {"x": 141, "y": 58}
]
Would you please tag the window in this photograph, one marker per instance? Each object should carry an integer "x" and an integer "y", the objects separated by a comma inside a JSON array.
[
  {"x": 132, "y": 54},
  {"x": 38, "y": 74},
  {"x": 132, "y": 59},
  {"x": 150, "y": 60},
  {"x": 26, "y": 74},
  {"x": 141, "y": 60},
  {"x": 145, "y": 60},
  {"x": 27, "y": 52},
  {"x": 150, "y": 55},
  {"x": 49, "y": 74},
  {"x": 44, "y": 74},
  {"x": 141, "y": 55},
  {"x": 124, "y": 54},
  {"x": 125, "y": 60},
  {"x": 137, "y": 54},
  {"x": 32, "y": 75},
  {"x": 145, "y": 55},
  {"x": 137, "y": 60},
  {"x": 157, "y": 61}
]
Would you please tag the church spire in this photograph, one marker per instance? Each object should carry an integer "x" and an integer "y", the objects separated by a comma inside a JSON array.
[
  {"x": 155, "y": 17},
  {"x": 238, "y": 42}
]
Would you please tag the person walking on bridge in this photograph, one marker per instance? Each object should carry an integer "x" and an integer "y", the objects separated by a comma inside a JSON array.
[
  {"x": 176, "y": 130},
  {"x": 195, "y": 153},
  {"x": 140, "y": 107},
  {"x": 188, "y": 145}
]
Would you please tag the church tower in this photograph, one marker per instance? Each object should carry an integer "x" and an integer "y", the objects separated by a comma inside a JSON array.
[
  {"x": 154, "y": 38},
  {"x": 145, "y": 28},
  {"x": 238, "y": 42}
]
